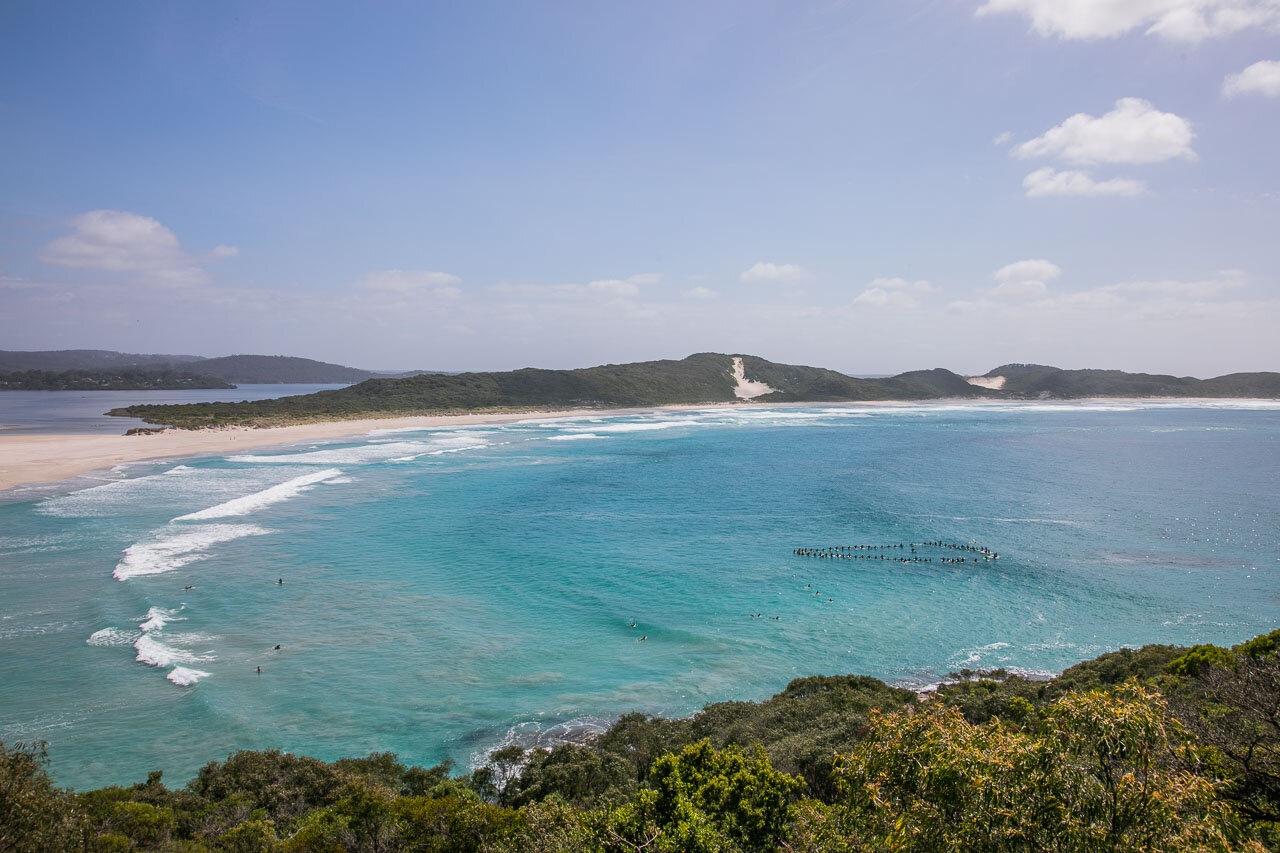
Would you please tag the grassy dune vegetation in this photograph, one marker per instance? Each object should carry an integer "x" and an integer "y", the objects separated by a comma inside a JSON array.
[
  {"x": 700, "y": 378},
  {"x": 1158, "y": 749}
]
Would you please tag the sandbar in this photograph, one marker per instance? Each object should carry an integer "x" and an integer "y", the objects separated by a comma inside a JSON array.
[{"x": 51, "y": 457}]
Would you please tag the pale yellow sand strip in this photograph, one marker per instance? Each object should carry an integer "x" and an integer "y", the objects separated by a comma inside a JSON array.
[{"x": 26, "y": 459}]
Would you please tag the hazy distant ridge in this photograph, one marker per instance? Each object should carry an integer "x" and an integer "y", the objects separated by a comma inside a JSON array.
[{"x": 244, "y": 369}]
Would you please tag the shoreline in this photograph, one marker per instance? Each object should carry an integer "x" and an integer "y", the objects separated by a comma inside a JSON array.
[{"x": 49, "y": 458}]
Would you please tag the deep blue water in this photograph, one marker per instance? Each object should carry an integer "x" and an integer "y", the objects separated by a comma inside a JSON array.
[{"x": 447, "y": 590}]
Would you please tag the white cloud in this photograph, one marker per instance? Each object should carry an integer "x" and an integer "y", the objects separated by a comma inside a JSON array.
[
  {"x": 618, "y": 288},
  {"x": 1002, "y": 138},
  {"x": 409, "y": 281},
  {"x": 761, "y": 271},
  {"x": 118, "y": 241},
  {"x": 614, "y": 287},
  {"x": 1134, "y": 132},
  {"x": 703, "y": 293},
  {"x": 894, "y": 293},
  {"x": 1172, "y": 20},
  {"x": 1024, "y": 279},
  {"x": 1260, "y": 78},
  {"x": 1070, "y": 182}
]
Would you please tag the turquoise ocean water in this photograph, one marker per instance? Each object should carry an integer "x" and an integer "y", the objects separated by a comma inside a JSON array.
[{"x": 446, "y": 591}]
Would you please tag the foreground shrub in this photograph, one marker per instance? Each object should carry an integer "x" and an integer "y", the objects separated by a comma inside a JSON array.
[{"x": 1094, "y": 771}]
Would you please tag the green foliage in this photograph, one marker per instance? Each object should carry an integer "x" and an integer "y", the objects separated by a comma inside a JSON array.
[
  {"x": 1115, "y": 668},
  {"x": 34, "y": 815},
  {"x": 117, "y": 379},
  {"x": 1101, "y": 770},
  {"x": 1264, "y": 645},
  {"x": 252, "y": 836},
  {"x": 1199, "y": 659},
  {"x": 702, "y": 800}
]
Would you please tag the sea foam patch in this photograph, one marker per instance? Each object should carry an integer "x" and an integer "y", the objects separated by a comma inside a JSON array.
[
  {"x": 112, "y": 637},
  {"x": 178, "y": 490},
  {"x": 638, "y": 426},
  {"x": 155, "y": 653},
  {"x": 256, "y": 501},
  {"x": 174, "y": 549},
  {"x": 157, "y": 618},
  {"x": 380, "y": 451},
  {"x": 185, "y": 676}
]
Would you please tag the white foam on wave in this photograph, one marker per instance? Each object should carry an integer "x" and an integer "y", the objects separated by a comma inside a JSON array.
[
  {"x": 552, "y": 423},
  {"x": 155, "y": 653},
  {"x": 185, "y": 676},
  {"x": 375, "y": 451},
  {"x": 640, "y": 426},
  {"x": 974, "y": 656},
  {"x": 575, "y": 436},
  {"x": 112, "y": 637},
  {"x": 177, "y": 490},
  {"x": 157, "y": 618},
  {"x": 256, "y": 501},
  {"x": 177, "y": 549},
  {"x": 106, "y": 499}
]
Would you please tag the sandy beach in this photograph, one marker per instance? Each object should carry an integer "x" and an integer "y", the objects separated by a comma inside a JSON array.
[{"x": 49, "y": 458}]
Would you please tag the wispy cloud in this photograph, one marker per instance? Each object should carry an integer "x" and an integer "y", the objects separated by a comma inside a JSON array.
[
  {"x": 1172, "y": 20},
  {"x": 763, "y": 271},
  {"x": 1048, "y": 181},
  {"x": 118, "y": 241}
]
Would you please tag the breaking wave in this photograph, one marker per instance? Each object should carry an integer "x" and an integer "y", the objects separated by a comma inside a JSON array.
[
  {"x": 250, "y": 503},
  {"x": 178, "y": 549}
]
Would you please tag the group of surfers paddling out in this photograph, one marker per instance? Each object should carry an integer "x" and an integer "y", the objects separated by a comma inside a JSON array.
[{"x": 899, "y": 553}]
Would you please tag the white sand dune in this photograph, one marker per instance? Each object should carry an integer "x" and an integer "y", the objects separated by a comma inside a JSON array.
[{"x": 746, "y": 389}]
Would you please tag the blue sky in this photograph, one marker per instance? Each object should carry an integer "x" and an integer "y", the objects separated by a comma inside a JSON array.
[{"x": 868, "y": 186}]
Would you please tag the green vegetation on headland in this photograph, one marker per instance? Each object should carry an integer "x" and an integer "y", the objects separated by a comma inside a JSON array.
[
  {"x": 1158, "y": 749},
  {"x": 108, "y": 379},
  {"x": 279, "y": 369},
  {"x": 701, "y": 378}
]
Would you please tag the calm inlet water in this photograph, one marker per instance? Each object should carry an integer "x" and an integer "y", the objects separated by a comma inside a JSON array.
[
  {"x": 30, "y": 412},
  {"x": 447, "y": 590}
]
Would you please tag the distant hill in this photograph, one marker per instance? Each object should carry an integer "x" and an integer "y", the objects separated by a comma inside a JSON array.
[
  {"x": 700, "y": 378},
  {"x": 280, "y": 369},
  {"x": 1039, "y": 381},
  {"x": 84, "y": 359},
  {"x": 107, "y": 379},
  {"x": 243, "y": 369}
]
